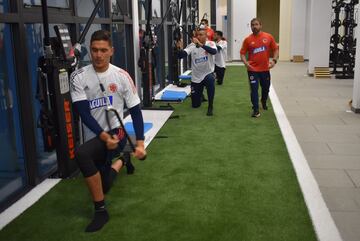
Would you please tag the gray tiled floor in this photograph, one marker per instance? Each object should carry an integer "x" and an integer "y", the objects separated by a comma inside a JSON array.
[{"x": 329, "y": 135}]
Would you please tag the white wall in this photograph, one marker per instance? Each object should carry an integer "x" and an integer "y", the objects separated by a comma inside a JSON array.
[
  {"x": 307, "y": 29},
  {"x": 205, "y": 7},
  {"x": 239, "y": 21},
  {"x": 285, "y": 29},
  {"x": 320, "y": 30},
  {"x": 356, "y": 88},
  {"x": 221, "y": 11},
  {"x": 298, "y": 33}
]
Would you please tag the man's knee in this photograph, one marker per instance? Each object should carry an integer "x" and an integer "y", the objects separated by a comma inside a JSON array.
[{"x": 86, "y": 166}]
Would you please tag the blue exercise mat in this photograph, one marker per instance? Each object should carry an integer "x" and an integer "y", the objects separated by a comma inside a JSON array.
[
  {"x": 174, "y": 95},
  {"x": 130, "y": 128},
  {"x": 185, "y": 77}
]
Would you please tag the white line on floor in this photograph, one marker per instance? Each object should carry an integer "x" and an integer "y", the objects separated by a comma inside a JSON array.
[
  {"x": 324, "y": 225},
  {"x": 25, "y": 202}
]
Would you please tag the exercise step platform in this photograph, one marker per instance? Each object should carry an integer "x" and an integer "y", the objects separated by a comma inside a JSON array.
[{"x": 322, "y": 72}]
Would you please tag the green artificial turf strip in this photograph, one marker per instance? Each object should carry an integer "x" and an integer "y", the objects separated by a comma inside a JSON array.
[{"x": 226, "y": 177}]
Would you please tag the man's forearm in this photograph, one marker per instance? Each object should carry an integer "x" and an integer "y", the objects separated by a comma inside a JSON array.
[
  {"x": 243, "y": 58},
  {"x": 276, "y": 54}
]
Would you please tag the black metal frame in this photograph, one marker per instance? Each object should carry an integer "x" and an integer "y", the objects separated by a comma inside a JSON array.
[{"x": 213, "y": 14}]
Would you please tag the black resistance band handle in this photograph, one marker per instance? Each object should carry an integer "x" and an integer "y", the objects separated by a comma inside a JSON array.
[{"x": 111, "y": 109}]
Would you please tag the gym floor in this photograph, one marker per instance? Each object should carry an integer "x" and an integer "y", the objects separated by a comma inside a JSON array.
[
  {"x": 329, "y": 135},
  {"x": 226, "y": 177}
]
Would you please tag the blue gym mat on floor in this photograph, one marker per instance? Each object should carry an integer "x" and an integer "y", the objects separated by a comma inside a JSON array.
[
  {"x": 185, "y": 77},
  {"x": 130, "y": 128},
  {"x": 174, "y": 95}
]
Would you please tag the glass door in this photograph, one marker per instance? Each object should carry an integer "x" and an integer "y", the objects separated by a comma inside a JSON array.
[{"x": 13, "y": 178}]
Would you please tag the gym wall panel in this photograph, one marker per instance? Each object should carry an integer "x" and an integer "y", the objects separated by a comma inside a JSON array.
[
  {"x": 239, "y": 21},
  {"x": 298, "y": 33},
  {"x": 204, "y": 7},
  {"x": 285, "y": 29},
  {"x": 269, "y": 13},
  {"x": 221, "y": 11}
]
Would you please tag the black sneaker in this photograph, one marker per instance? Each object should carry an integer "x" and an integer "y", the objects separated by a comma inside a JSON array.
[
  {"x": 209, "y": 111},
  {"x": 263, "y": 102},
  {"x": 255, "y": 114}
]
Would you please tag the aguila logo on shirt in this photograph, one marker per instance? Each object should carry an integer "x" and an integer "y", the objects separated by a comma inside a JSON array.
[
  {"x": 259, "y": 50},
  {"x": 201, "y": 60},
  {"x": 100, "y": 102},
  {"x": 112, "y": 87}
]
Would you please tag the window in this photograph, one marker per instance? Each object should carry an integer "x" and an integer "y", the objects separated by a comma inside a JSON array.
[
  {"x": 84, "y": 8},
  {"x": 12, "y": 164},
  {"x": 121, "y": 8},
  {"x": 85, "y": 57},
  {"x": 50, "y": 3},
  {"x": 143, "y": 9},
  {"x": 46, "y": 160},
  {"x": 4, "y": 6},
  {"x": 120, "y": 46}
]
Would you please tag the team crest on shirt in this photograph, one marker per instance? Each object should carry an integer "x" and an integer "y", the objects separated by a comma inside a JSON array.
[
  {"x": 264, "y": 40},
  {"x": 251, "y": 77},
  {"x": 112, "y": 88},
  {"x": 252, "y": 43}
]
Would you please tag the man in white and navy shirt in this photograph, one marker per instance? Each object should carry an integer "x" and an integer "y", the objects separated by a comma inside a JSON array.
[
  {"x": 202, "y": 63},
  {"x": 92, "y": 88},
  {"x": 220, "y": 57}
]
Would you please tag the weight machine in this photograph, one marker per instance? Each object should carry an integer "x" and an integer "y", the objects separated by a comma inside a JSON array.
[
  {"x": 343, "y": 42},
  {"x": 175, "y": 10},
  {"x": 56, "y": 118}
]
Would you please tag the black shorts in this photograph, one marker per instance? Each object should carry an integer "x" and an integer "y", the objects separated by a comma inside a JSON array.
[
  {"x": 198, "y": 88},
  {"x": 93, "y": 156},
  {"x": 220, "y": 73}
]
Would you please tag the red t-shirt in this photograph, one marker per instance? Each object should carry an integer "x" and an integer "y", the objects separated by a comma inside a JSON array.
[
  {"x": 258, "y": 48},
  {"x": 210, "y": 33}
]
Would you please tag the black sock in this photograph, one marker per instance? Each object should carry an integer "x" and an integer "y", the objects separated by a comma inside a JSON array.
[
  {"x": 130, "y": 169},
  {"x": 101, "y": 217},
  {"x": 108, "y": 181}
]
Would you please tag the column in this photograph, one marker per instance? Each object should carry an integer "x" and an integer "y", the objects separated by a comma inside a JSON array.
[
  {"x": 135, "y": 28},
  {"x": 320, "y": 31},
  {"x": 356, "y": 89},
  {"x": 285, "y": 29},
  {"x": 298, "y": 33}
]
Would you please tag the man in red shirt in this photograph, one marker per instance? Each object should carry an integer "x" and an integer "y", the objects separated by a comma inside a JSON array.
[
  {"x": 258, "y": 45},
  {"x": 209, "y": 31}
]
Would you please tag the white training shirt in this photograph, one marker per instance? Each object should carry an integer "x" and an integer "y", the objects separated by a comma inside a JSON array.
[
  {"x": 202, "y": 63},
  {"x": 119, "y": 88},
  {"x": 220, "y": 57}
]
